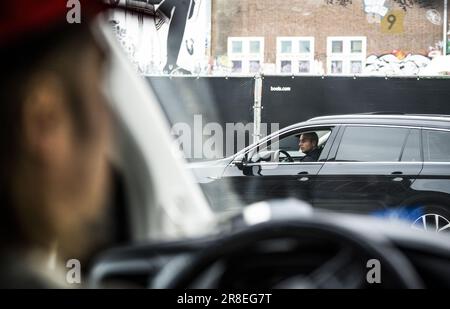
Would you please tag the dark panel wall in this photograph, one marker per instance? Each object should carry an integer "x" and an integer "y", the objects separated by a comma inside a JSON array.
[
  {"x": 288, "y": 100},
  {"x": 316, "y": 96},
  {"x": 216, "y": 99}
]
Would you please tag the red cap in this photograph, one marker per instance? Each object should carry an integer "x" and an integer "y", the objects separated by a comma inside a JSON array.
[{"x": 19, "y": 18}]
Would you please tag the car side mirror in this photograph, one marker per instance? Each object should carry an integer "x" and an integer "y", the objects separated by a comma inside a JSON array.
[
  {"x": 240, "y": 164},
  {"x": 243, "y": 165}
]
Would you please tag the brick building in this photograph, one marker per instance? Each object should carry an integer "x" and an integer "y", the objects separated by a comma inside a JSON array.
[{"x": 324, "y": 36}]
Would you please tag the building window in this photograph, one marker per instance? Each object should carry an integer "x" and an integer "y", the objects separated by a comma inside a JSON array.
[
  {"x": 304, "y": 46},
  {"x": 237, "y": 47},
  {"x": 304, "y": 66},
  {"x": 356, "y": 46},
  {"x": 355, "y": 67},
  {"x": 346, "y": 55},
  {"x": 337, "y": 47},
  {"x": 255, "y": 66},
  {"x": 255, "y": 47},
  {"x": 286, "y": 66},
  {"x": 295, "y": 55},
  {"x": 246, "y": 54},
  {"x": 336, "y": 67},
  {"x": 237, "y": 66},
  {"x": 286, "y": 47}
]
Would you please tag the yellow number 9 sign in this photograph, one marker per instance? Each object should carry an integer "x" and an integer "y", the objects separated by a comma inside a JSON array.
[{"x": 392, "y": 22}]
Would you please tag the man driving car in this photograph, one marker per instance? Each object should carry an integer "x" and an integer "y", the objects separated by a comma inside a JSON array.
[{"x": 308, "y": 143}]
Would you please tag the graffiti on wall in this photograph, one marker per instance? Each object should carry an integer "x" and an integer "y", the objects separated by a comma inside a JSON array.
[
  {"x": 171, "y": 39},
  {"x": 434, "y": 17},
  {"x": 396, "y": 63},
  {"x": 377, "y": 7},
  {"x": 408, "y": 4},
  {"x": 403, "y": 4},
  {"x": 339, "y": 2}
]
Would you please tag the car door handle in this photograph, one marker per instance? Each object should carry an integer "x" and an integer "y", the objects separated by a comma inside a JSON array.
[
  {"x": 397, "y": 179},
  {"x": 303, "y": 179}
]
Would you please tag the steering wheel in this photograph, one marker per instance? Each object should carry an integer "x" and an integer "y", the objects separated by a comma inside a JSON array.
[
  {"x": 330, "y": 274},
  {"x": 277, "y": 156}
]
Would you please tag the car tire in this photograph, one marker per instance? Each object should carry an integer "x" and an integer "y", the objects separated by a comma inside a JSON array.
[{"x": 433, "y": 217}]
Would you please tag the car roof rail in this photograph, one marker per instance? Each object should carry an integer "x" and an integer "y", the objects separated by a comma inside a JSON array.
[
  {"x": 383, "y": 113},
  {"x": 355, "y": 114},
  {"x": 430, "y": 115},
  {"x": 392, "y": 114}
]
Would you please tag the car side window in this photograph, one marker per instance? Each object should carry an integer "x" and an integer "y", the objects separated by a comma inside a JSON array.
[
  {"x": 411, "y": 152},
  {"x": 436, "y": 146},
  {"x": 289, "y": 145},
  {"x": 371, "y": 144}
]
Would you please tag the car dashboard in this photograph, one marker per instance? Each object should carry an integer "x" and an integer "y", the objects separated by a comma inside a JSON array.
[{"x": 292, "y": 254}]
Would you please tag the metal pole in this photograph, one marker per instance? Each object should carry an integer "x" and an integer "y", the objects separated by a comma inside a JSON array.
[
  {"x": 257, "y": 107},
  {"x": 444, "y": 45}
]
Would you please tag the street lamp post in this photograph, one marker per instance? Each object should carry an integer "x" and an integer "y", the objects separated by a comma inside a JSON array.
[{"x": 444, "y": 45}]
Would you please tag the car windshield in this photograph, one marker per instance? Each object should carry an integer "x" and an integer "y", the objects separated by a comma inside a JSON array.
[
  {"x": 230, "y": 73},
  {"x": 224, "y": 144}
]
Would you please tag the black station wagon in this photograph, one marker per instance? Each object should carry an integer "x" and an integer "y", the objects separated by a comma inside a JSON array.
[{"x": 376, "y": 163}]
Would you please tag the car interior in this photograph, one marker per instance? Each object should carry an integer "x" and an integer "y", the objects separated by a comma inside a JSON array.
[
  {"x": 163, "y": 230},
  {"x": 290, "y": 251},
  {"x": 271, "y": 244},
  {"x": 286, "y": 148}
]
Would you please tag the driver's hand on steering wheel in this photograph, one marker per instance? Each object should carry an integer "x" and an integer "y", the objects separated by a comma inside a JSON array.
[{"x": 285, "y": 159}]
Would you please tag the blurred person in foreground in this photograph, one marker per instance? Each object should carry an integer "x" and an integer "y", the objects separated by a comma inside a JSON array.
[{"x": 55, "y": 133}]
